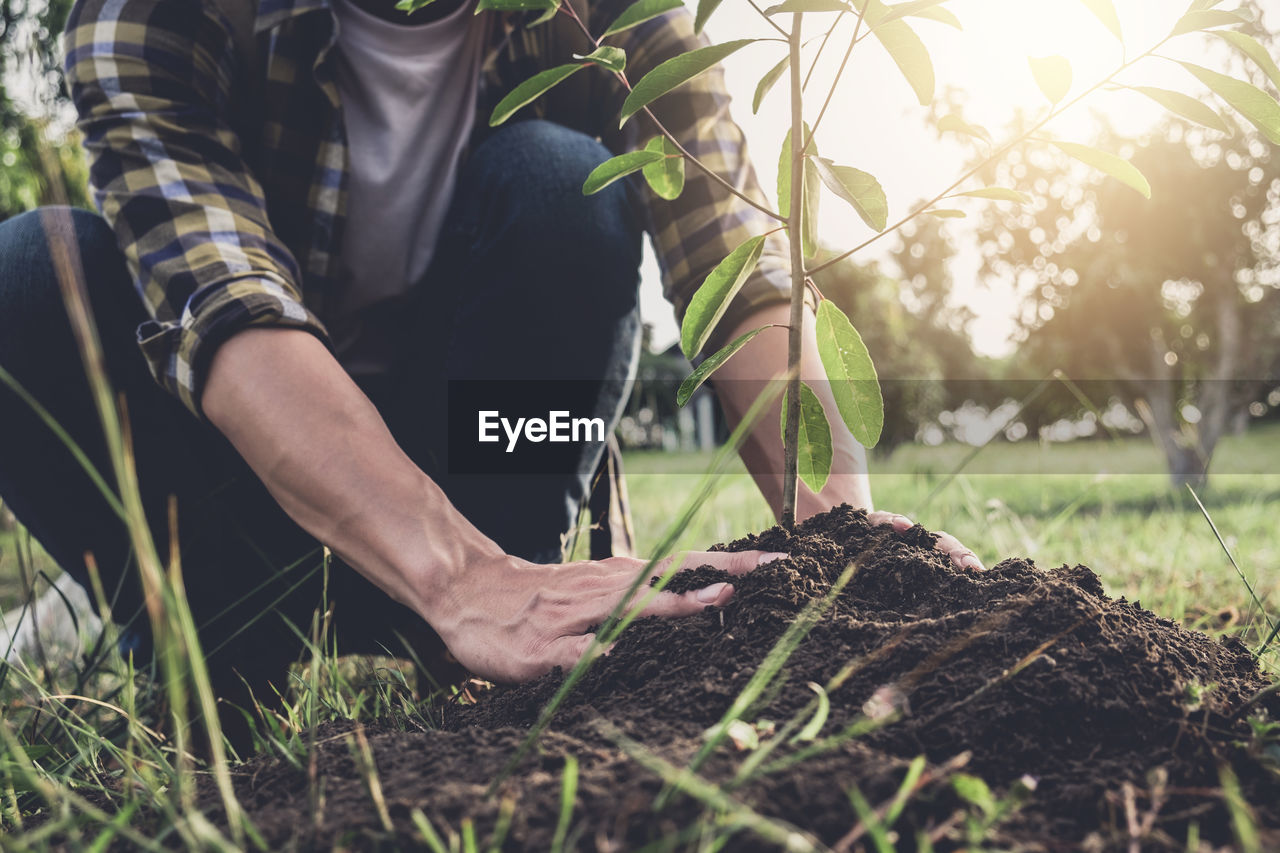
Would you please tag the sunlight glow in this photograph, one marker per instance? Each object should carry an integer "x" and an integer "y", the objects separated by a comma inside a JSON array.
[{"x": 876, "y": 124}]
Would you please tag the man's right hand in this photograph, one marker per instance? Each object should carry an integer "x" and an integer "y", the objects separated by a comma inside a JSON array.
[
  {"x": 324, "y": 453},
  {"x": 511, "y": 620}
]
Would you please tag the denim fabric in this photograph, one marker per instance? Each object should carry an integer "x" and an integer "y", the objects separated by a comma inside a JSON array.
[{"x": 543, "y": 286}]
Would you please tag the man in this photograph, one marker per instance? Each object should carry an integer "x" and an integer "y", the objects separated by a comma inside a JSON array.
[{"x": 314, "y": 233}]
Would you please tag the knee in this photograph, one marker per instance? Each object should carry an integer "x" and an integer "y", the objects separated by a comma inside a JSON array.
[
  {"x": 533, "y": 171},
  {"x": 32, "y": 235},
  {"x": 33, "y": 248}
]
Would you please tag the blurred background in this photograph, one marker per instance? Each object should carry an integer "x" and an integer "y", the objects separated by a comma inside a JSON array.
[{"x": 1055, "y": 373}]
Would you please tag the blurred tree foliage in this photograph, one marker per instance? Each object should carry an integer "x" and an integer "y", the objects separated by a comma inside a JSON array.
[
  {"x": 40, "y": 160},
  {"x": 1171, "y": 306}
]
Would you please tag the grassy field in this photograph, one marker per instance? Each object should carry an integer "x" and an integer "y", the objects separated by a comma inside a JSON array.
[{"x": 1102, "y": 504}]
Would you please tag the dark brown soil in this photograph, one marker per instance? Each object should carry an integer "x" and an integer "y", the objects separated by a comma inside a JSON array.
[{"x": 1125, "y": 721}]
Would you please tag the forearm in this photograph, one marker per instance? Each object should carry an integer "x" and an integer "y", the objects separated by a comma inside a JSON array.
[
  {"x": 741, "y": 380},
  {"x": 324, "y": 453}
]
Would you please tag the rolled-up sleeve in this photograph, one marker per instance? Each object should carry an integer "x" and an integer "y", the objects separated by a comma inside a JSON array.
[{"x": 153, "y": 84}]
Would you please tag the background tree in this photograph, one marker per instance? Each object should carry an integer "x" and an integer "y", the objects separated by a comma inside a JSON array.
[
  {"x": 40, "y": 160},
  {"x": 1171, "y": 305}
]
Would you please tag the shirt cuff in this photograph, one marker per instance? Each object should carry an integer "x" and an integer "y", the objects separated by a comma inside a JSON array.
[{"x": 179, "y": 353}]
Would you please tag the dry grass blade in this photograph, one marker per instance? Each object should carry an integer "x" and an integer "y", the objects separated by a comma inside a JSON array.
[
  {"x": 1272, "y": 626},
  {"x": 172, "y": 625},
  {"x": 363, "y": 756}
]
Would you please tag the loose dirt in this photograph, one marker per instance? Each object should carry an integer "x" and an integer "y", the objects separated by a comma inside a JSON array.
[{"x": 1096, "y": 722}]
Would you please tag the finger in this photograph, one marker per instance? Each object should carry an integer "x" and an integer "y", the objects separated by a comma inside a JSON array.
[
  {"x": 899, "y": 522},
  {"x": 565, "y": 652},
  {"x": 733, "y": 562},
  {"x": 670, "y": 604},
  {"x": 961, "y": 557}
]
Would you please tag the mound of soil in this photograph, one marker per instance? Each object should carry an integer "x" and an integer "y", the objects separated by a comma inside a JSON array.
[{"x": 1124, "y": 724}]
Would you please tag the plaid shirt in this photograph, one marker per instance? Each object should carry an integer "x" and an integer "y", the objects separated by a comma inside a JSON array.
[{"x": 224, "y": 176}]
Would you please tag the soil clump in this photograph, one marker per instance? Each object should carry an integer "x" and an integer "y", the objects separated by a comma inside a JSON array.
[{"x": 1099, "y": 724}]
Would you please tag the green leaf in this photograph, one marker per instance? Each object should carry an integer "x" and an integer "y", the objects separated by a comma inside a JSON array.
[
  {"x": 514, "y": 5},
  {"x": 813, "y": 459},
  {"x": 946, "y": 213},
  {"x": 1053, "y": 76},
  {"x": 1105, "y": 11},
  {"x": 639, "y": 12},
  {"x": 974, "y": 791},
  {"x": 1205, "y": 19},
  {"x": 611, "y": 58},
  {"x": 811, "y": 193},
  {"x": 545, "y": 16},
  {"x": 1245, "y": 98},
  {"x": 808, "y": 6},
  {"x": 616, "y": 168},
  {"x": 852, "y": 375},
  {"x": 813, "y": 728},
  {"x": 666, "y": 176},
  {"x": 942, "y": 16},
  {"x": 1250, "y": 47},
  {"x": 705, "y": 10},
  {"x": 1186, "y": 106},
  {"x": 996, "y": 194},
  {"x": 766, "y": 83},
  {"x": 1117, "y": 167},
  {"x": 711, "y": 364},
  {"x": 859, "y": 189},
  {"x": 712, "y": 299},
  {"x": 955, "y": 124},
  {"x": 904, "y": 46},
  {"x": 917, "y": 8},
  {"x": 529, "y": 91},
  {"x": 675, "y": 71},
  {"x": 812, "y": 196}
]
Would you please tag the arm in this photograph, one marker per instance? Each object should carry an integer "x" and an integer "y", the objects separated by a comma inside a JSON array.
[
  {"x": 694, "y": 232},
  {"x": 230, "y": 337},
  {"x": 741, "y": 380},
  {"x": 286, "y": 404},
  {"x": 153, "y": 85}
]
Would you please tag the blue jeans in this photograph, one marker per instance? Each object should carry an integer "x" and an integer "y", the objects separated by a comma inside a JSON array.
[{"x": 533, "y": 282}]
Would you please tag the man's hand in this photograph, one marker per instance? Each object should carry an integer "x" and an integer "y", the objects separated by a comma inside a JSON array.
[
  {"x": 511, "y": 620},
  {"x": 323, "y": 452},
  {"x": 742, "y": 378},
  {"x": 961, "y": 556}
]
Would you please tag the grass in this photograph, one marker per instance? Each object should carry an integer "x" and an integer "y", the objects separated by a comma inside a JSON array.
[
  {"x": 1100, "y": 503},
  {"x": 1087, "y": 503}
]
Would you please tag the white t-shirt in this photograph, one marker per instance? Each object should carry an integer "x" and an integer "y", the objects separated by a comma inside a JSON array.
[{"x": 408, "y": 99}]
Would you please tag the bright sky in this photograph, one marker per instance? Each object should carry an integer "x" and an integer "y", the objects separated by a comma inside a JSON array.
[{"x": 876, "y": 124}]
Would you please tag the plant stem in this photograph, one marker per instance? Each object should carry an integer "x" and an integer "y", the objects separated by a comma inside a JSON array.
[{"x": 795, "y": 225}]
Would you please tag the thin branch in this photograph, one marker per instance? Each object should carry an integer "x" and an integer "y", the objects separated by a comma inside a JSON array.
[
  {"x": 825, "y": 38},
  {"x": 992, "y": 158},
  {"x": 853, "y": 42},
  {"x": 770, "y": 21},
  {"x": 622, "y": 77}
]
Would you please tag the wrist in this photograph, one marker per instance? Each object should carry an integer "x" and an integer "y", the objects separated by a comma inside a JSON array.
[{"x": 450, "y": 555}]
